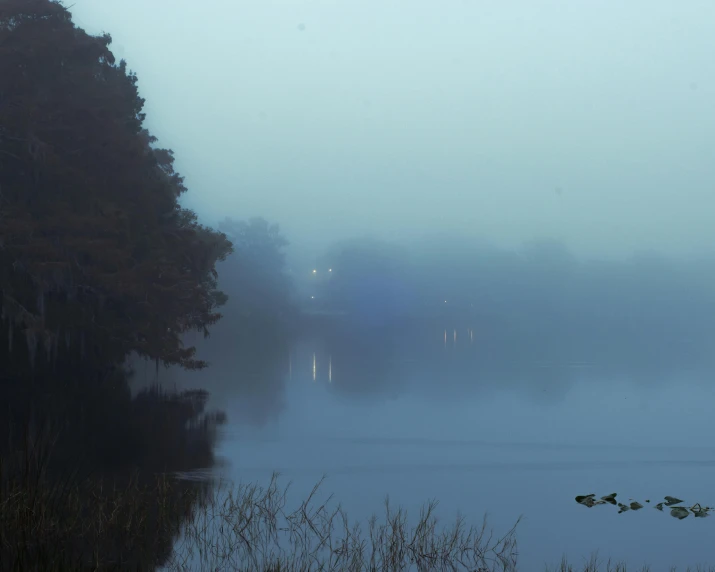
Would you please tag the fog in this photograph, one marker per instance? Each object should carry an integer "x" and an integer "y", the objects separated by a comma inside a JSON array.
[
  {"x": 472, "y": 257},
  {"x": 589, "y": 123}
]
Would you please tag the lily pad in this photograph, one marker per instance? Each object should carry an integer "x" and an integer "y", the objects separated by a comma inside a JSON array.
[
  {"x": 586, "y": 500},
  {"x": 679, "y": 512},
  {"x": 699, "y": 511},
  {"x": 611, "y": 499},
  {"x": 670, "y": 501}
]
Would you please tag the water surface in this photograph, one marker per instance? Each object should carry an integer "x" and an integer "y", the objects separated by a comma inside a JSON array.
[{"x": 511, "y": 425}]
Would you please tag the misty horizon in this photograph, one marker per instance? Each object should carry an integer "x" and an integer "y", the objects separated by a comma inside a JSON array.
[
  {"x": 460, "y": 251},
  {"x": 505, "y": 123}
]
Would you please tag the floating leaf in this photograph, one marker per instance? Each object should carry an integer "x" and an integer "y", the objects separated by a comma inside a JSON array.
[
  {"x": 610, "y": 498},
  {"x": 700, "y": 512},
  {"x": 679, "y": 512},
  {"x": 586, "y": 500}
]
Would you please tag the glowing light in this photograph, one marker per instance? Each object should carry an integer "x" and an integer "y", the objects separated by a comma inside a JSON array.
[
  {"x": 314, "y": 271},
  {"x": 312, "y": 297},
  {"x": 314, "y": 367},
  {"x": 330, "y": 269},
  {"x": 330, "y": 370}
]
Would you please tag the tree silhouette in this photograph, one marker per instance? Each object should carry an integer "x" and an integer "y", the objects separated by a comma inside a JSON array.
[{"x": 97, "y": 257}]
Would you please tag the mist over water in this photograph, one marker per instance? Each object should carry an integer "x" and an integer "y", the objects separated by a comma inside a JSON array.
[
  {"x": 472, "y": 261},
  {"x": 598, "y": 382}
]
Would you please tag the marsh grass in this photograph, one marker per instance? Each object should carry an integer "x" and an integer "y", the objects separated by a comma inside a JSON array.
[
  {"x": 132, "y": 514},
  {"x": 90, "y": 523},
  {"x": 172, "y": 525},
  {"x": 96, "y": 526},
  {"x": 596, "y": 564},
  {"x": 63, "y": 509},
  {"x": 250, "y": 529},
  {"x": 78, "y": 520}
]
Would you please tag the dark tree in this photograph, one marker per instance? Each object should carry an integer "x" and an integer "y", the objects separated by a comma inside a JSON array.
[{"x": 96, "y": 254}]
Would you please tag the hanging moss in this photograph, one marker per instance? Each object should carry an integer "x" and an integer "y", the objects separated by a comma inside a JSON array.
[{"x": 95, "y": 242}]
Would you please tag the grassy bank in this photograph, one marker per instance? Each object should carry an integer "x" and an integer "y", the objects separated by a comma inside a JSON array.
[
  {"x": 174, "y": 525},
  {"x": 98, "y": 525},
  {"x": 256, "y": 531}
]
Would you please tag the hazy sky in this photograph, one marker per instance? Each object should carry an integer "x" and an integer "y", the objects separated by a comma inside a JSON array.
[{"x": 591, "y": 121}]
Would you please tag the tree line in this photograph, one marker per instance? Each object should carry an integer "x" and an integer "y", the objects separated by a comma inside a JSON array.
[{"x": 541, "y": 288}]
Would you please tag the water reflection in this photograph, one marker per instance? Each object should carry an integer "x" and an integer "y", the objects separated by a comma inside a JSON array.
[
  {"x": 250, "y": 364},
  {"x": 90, "y": 436},
  {"x": 453, "y": 403},
  {"x": 376, "y": 363}
]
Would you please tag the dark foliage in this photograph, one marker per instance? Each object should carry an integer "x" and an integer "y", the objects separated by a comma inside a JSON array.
[
  {"x": 95, "y": 250},
  {"x": 98, "y": 261}
]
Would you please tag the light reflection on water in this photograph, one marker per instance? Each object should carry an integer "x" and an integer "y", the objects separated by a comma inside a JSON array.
[
  {"x": 511, "y": 430},
  {"x": 320, "y": 360}
]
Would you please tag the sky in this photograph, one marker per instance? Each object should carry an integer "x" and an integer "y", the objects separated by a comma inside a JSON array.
[{"x": 582, "y": 120}]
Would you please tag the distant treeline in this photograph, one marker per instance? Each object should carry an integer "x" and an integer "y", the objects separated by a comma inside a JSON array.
[{"x": 542, "y": 286}]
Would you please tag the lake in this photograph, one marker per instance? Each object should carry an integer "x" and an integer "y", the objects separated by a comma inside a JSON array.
[{"x": 500, "y": 422}]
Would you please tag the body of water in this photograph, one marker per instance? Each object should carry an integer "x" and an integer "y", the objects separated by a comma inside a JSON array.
[{"x": 487, "y": 424}]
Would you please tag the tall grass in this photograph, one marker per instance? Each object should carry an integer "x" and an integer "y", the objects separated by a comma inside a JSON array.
[
  {"x": 95, "y": 524},
  {"x": 91, "y": 522},
  {"x": 595, "y": 564},
  {"x": 250, "y": 529},
  {"x": 75, "y": 520}
]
